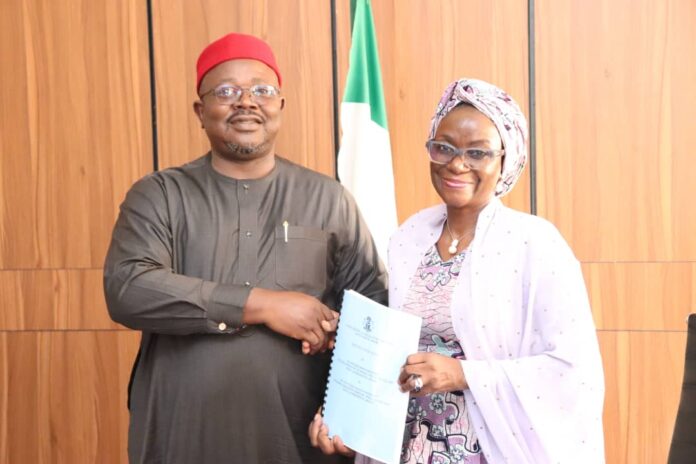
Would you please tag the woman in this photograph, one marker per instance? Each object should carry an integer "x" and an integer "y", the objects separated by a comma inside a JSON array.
[{"x": 508, "y": 369}]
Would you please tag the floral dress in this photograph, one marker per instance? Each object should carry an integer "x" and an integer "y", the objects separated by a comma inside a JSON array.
[{"x": 438, "y": 429}]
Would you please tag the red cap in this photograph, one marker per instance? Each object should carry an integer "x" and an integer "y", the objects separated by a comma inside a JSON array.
[{"x": 235, "y": 47}]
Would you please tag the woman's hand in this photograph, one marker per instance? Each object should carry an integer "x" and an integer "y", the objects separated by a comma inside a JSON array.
[
  {"x": 437, "y": 373},
  {"x": 319, "y": 437}
]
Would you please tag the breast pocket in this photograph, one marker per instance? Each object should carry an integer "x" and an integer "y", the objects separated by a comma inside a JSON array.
[{"x": 300, "y": 259}]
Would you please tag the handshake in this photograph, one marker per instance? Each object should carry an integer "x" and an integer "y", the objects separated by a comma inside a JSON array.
[{"x": 294, "y": 315}]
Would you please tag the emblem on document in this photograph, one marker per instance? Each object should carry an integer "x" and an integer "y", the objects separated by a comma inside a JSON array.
[{"x": 367, "y": 324}]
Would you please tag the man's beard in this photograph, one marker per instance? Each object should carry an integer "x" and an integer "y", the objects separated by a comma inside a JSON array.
[{"x": 247, "y": 151}]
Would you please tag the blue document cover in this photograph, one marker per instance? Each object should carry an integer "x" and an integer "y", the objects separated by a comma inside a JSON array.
[{"x": 363, "y": 403}]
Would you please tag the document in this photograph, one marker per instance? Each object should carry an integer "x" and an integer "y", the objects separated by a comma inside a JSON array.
[{"x": 363, "y": 403}]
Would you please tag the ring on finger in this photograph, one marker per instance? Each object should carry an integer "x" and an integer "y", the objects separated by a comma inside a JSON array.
[{"x": 417, "y": 383}]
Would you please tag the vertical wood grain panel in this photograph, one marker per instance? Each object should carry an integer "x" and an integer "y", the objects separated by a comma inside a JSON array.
[
  {"x": 53, "y": 300},
  {"x": 641, "y": 296},
  {"x": 616, "y": 112},
  {"x": 63, "y": 396},
  {"x": 75, "y": 133},
  {"x": 299, "y": 33},
  {"x": 615, "y": 104},
  {"x": 424, "y": 45},
  {"x": 643, "y": 372},
  {"x": 74, "y": 127}
]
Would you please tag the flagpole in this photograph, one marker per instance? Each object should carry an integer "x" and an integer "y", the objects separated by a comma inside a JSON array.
[{"x": 334, "y": 76}]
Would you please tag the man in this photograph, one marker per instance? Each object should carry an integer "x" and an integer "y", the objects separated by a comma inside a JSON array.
[{"x": 226, "y": 264}]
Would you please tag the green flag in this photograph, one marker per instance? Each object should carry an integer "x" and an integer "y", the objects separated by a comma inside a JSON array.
[{"x": 364, "y": 159}]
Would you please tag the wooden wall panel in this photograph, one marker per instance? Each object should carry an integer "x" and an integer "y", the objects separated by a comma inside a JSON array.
[
  {"x": 74, "y": 127},
  {"x": 616, "y": 112},
  {"x": 75, "y": 132},
  {"x": 299, "y": 33},
  {"x": 643, "y": 372},
  {"x": 424, "y": 45},
  {"x": 616, "y": 101},
  {"x": 63, "y": 396},
  {"x": 53, "y": 300},
  {"x": 641, "y": 296}
]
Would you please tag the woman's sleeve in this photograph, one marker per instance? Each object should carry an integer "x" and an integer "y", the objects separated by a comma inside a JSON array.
[{"x": 544, "y": 406}]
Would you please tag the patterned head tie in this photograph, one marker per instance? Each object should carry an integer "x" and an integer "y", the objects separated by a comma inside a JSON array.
[{"x": 500, "y": 108}]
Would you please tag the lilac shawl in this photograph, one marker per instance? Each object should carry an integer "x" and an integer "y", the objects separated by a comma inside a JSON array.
[{"x": 520, "y": 311}]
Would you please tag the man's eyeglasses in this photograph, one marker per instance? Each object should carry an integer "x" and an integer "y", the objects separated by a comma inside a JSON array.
[
  {"x": 475, "y": 158},
  {"x": 227, "y": 94}
]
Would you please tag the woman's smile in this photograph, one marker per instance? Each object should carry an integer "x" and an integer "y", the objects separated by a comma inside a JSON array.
[{"x": 457, "y": 183}]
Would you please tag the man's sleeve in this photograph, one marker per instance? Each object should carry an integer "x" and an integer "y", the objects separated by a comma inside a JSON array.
[
  {"x": 359, "y": 267},
  {"x": 141, "y": 289}
]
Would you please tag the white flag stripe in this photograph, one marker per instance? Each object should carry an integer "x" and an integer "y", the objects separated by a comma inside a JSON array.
[{"x": 365, "y": 169}]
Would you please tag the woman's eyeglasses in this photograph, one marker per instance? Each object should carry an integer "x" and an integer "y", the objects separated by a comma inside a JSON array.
[{"x": 475, "y": 158}]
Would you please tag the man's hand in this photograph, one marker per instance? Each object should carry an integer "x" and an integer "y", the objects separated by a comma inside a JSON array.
[{"x": 293, "y": 314}]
